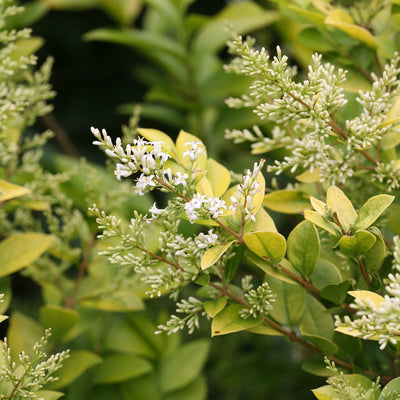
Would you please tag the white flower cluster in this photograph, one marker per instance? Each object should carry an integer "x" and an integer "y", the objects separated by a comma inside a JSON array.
[
  {"x": 246, "y": 191},
  {"x": 193, "y": 308},
  {"x": 260, "y": 301},
  {"x": 379, "y": 322},
  {"x": 367, "y": 129},
  {"x": 32, "y": 372},
  {"x": 203, "y": 207},
  {"x": 389, "y": 174}
]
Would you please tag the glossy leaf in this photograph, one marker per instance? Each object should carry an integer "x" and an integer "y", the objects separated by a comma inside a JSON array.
[
  {"x": 316, "y": 320},
  {"x": 289, "y": 304},
  {"x": 10, "y": 191},
  {"x": 287, "y": 201},
  {"x": 229, "y": 321},
  {"x": 336, "y": 292},
  {"x": 213, "y": 307},
  {"x": 327, "y": 346},
  {"x": 213, "y": 254},
  {"x": 270, "y": 245},
  {"x": 325, "y": 393},
  {"x": 371, "y": 211},
  {"x": 21, "y": 249},
  {"x": 184, "y": 366},
  {"x": 340, "y": 204},
  {"x": 366, "y": 296},
  {"x": 117, "y": 368},
  {"x": 144, "y": 387},
  {"x": 268, "y": 268},
  {"x": 359, "y": 244},
  {"x": 78, "y": 362},
  {"x": 309, "y": 177},
  {"x": 218, "y": 176},
  {"x": 263, "y": 222},
  {"x": 322, "y": 222},
  {"x": 343, "y": 21},
  {"x": 122, "y": 11},
  {"x": 375, "y": 256},
  {"x": 265, "y": 329},
  {"x": 70, "y": 4},
  {"x": 48, "y": 394},
  {"x": 60, "y": 320},
  {"x": 326, "y": 273},
  {"x": 303, "y": 248}
]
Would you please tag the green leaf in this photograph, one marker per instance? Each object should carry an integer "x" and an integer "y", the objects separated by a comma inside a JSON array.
[
  {"x": 343, "y": 21},
  {"x": 233, "y": 263},
  {"x": 287, "y": 201},
  {"x": 303, "y": 248},
  {"x": 264, "y": 329},
  {"x": 270, "y": 245},
  {"x": 213, "y": 254},
  {"x": 122, "y": 337},
  {"x": 122, "y": 11},
  {"x": 78, "y": 362},
  {"x": 213, "y": 307},
  {"x": 5, "y": 288},
  {"x": 117, "y": 368},
  {"x": 21, "y": 249},
  {"x": 336, "y": 292},
  {"x": 339, "y": 203},
  {"x": 10, "y": 191},
  {"x": 316, "y": 320},
  {"x": 374, "y": 257},
  {"x": 317, "y": 219},
  {"x": 184, "y": 366},
  {"x": 325, "y": 274},
  {"x": 229, "y": 321},
  {"x": 288, "y": 306},
  {"x": 268, "y": 268},
  {"x": 60, "y": 320},
  {"x": 327, "y": 346},
  {"x": 243, "y": 16},
  {"x": 142, "y": 388},
  {"x": 48, "y": 395},
  {"x": 23, "y": 332},
  {"x": 391, "y": 390},
  {"x": 196, "y": 390},
  {"x": 357, "y": 245},
  {"x": 70, "y": 4},
  {"x": 313, "y": 38},
  {"x": 371, "y": 210},
  {"x": 218, "y": 176}
]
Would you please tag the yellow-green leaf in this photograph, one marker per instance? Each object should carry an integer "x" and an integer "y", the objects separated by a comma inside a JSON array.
[
  {"x": 264, "y": 329},
  {"x": 340, "y": 204},
  {"x": 287, "y": 201},
  {"x": 48, "y": 394},
  {"x": 322, "y": 222},
  {"x": 229, "y": 321},
  {"x": 357, "y": 245},
  {"x": 325, "y": 393},
  {"x": 181, "y": 147},
  {"x": 204, "y": 187},
  {"x": 20, "y": 250},
  {"x": 154, "y": 135},
  {"x": 392, "y": 117},
  {"x": 366, "y": 296},
  {"x": 319, "y": 206},
  {"x": 10, "y": 191},
  {"x": 213, "y": 307},
  {"x": 218, "y": 176},
  {"x": 212, "y": 255},
  {"x": 309, "y": 177},
  {"x": 371, "y": 210},
  {"x": 271, "y": 245},
  {"x": 343, "y": 21},
  {"x": 263, "y": 222},
  {"x": 78, "y": 362}
]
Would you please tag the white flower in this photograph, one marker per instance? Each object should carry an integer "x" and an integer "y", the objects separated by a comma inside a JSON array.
[
  {"x": 196, "y": 150},
  {"x": 155, "y": 211},
  {"x": 122, "y": 170},
  {"x": 203, "y": 241},
  {"x": 144, "y": 183},
  {"x": 180, "y": 179}
]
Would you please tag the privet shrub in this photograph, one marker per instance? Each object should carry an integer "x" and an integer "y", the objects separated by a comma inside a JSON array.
[{"x": 333, "y": 284}]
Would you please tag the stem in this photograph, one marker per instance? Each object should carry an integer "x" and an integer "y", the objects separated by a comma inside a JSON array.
[
  {"x": 306, "y": 284},
  {"x": 364, "y": 272},
  {"x": 232, "y": 232}
]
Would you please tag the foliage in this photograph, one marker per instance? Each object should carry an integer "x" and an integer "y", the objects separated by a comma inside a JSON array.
[{"x": 333, "y": 141}]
